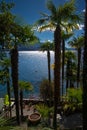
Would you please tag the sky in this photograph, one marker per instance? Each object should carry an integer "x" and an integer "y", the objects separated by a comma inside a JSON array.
[{"x": 29, "y": 12}]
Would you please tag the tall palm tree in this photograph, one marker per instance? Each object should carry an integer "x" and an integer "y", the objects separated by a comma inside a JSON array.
[
  {"x": 47, "y": 46},
  {"x": 22, "y": 35},
  {"x": 60, "y": 17},
  {"x": 85, "y": 73},
  {"x": 78, "y": 44},
  {"x": 16, "y": 34}
]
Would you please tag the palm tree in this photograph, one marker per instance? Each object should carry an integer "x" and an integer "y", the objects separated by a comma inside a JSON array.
[
  {"x": 23, "y": 85},
  {"x": 24, "y": 35},
  {"x": 47, "y": 46},
  {"x": 85, "y": 74},
  {"x": 70, "y": 59},
  {"x": 5, "y": 36},
  {"x": 78, "y": 44},
  {"x": 60, "y": 17},
  {"x": 16, "y": 33},
  {"x": 65, "y": 36}
]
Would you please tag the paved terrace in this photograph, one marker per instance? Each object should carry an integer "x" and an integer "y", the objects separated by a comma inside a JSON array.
[{"x": 72, "y": 121}]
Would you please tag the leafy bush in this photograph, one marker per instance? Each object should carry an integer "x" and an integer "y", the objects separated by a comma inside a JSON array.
[
  {"x": 44, "y": 110},
  {"x": 74, "y": 95},
  {"x": 6, "y": 100},
  {"x": 73, "y": 100}
]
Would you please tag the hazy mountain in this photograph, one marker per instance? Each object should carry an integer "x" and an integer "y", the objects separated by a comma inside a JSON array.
[{"x": 33, "y": 47}]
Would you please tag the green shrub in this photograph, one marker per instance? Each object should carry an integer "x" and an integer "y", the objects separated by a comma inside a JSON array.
[
  {"x": 74, "y": 95},
  {"x": 44, "y": 110},
  {"x": 73, "y": 100}
]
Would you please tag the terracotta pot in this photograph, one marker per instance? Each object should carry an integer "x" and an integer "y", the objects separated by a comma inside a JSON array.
[{"x": 34, "y": 118}]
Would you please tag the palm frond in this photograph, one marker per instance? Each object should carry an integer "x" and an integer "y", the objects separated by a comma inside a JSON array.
[
  {"x": 69, "y": 26},
  {"x": 70, "y": 55},
  {"x": 77, "y": 42},
  {"x": 5, "y": 62},
  {"x": 47, "y": 46},
  {"x": 33, "y": 40},
  {"x": 66, "y": 35},
  {"x": 51, "y": 7},
  {"x": 66, "y": 9},
  {"x": 66, "y": 13},
  {"x": 24, "y": 85},
  {"x": 76, "y": 18},
  {"x": 48, "y": 26},
  {"x": 44, "y": 14},
  {"x": 42, "y": 21}
]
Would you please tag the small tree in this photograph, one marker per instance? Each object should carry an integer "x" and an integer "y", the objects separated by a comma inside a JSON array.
[
  {"x": 70, "y": 59},
  {"x": 48, "y": 46},
  {"x": 45, "y": 92},
  {"x": 24, "y": 85}
]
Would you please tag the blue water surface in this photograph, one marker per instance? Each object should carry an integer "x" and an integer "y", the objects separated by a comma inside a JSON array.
[{"x": 33, "y": 68}]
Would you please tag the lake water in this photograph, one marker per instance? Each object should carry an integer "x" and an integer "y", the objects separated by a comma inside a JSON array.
[{"x": 32, "y": 68}]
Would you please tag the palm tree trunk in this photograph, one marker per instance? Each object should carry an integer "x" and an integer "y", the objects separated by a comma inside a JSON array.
[
  {"x": 21, "y": 103},
  {"x": 67, "y": 74},
  {"x": 78, "y": 69},
  {"x": 85, "y": 76},
  {"x": 49, "y": 74},
  {"x": 49, "y": 78},
  {"x": 71, "y": 83},
  {"x": 14, "y": 64},
  {"x": 57, "y": 41},
  {"x": 63, "y": 58}
]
